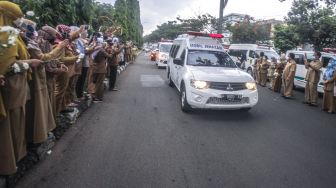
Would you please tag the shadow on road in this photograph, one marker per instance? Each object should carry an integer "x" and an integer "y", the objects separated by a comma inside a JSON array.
[{"x": 224, "y": 115}]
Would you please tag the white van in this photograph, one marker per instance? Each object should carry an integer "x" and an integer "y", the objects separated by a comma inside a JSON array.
[
  {"x": 249, "y": 51},
  {"x": 163, "y": 53},
  {"x": 301, "y": 71},
  {"x": 206, "y": 76}
]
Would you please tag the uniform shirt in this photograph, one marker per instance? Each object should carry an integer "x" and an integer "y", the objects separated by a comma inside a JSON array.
[
  {"x": 264, "y": 66},
  {"x": 259, "y": 61},
  {"x": 289, "y": 68},
  {"x": 313, "y": 73},
  {"x": 100, "y": 61}
]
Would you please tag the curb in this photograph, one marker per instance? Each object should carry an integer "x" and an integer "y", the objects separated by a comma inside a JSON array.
[{"x": 37, "y": 153}]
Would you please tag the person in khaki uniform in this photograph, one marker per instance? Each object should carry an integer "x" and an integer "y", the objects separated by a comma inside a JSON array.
[
  {"x": 47, "y": 36},
  {"x": 113, "y": 63},
  {"x": 277, "y": 82},
  {"x": 288, "y": 76},
  {"x": 128, "y": 52},
  {"x": 40, "y": 118},
  {"x": 312, "y": 79},
  {"x": 99, "y": 73},
  {"x": 13, "y": 92},
  {"x": 329, "y": 78},
  {"x": 62, "y": 92},
  {"x": 258, "y": 64},
  {"x": 134, "y": 53},
  {"x": 271, "y": 71},
  {"x": 263, "y": 71}
]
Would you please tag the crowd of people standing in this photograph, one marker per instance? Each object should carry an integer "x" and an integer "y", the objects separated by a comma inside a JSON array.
[
  {"x": 45, "y": 72},
  {"x": 281, "y": 76}
]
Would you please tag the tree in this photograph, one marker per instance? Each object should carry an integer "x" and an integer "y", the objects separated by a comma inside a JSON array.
[
  {"x": 250, "y": 31},
  {"x": 315, "y": 23},
  {"x": 125, "y": 13},
  {"x": 171, "y": 29},
  {"x": 285, "y": 38}
]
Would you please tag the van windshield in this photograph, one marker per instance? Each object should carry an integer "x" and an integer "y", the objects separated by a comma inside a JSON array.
[
  {"x": 210, "y": 59},
  {"x": 269, "y": 54},
  {"x": 165, "y": 48}
]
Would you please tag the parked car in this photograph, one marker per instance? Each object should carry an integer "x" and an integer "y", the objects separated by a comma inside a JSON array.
[
  {"x": 301, "y": 71},
  {"x": 249, "y": 51}
]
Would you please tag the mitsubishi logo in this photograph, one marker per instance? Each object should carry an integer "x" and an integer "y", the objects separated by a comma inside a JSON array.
[{"x": 229, "y": 87}]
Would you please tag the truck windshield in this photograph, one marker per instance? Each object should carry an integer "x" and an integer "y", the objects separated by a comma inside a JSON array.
[
  {"x": 210, "y": 59},
  {"x": 165, "y": 48}
]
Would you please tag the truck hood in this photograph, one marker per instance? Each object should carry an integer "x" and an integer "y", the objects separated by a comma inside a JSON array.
[{"x": 220, "y": 74}]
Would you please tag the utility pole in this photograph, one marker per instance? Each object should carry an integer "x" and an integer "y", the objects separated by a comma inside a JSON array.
[{"x": 222, "y": 6}]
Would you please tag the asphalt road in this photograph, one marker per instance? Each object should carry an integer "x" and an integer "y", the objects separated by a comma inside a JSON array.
[{"x": 138, "y": 137}]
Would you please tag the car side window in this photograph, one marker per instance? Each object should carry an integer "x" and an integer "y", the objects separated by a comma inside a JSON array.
[
  {"x": 175, "y": 51},
  {"x": 299, "y": 59},
  {"x": 252, "y": 54},
  {"x": 183, "y": 56},
  {"x": 172, "y": 51},
  {"x": 325, "y": 61}
]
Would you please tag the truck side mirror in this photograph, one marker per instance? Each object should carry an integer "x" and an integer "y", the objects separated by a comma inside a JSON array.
[{"x": 178, "y": 61}]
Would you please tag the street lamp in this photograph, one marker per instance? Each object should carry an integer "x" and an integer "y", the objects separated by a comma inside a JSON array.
[{"x": 222, "y": 6}]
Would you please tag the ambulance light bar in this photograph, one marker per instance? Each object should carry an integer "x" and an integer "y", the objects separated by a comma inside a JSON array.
[{"x": 212, "y": 35}]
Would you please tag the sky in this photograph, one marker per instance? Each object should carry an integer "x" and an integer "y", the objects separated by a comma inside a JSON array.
[{"x": 156, "y": 12}]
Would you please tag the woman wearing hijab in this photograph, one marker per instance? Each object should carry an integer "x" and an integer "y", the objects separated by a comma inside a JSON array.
[
  {"x": 69, "y": 58},
  {"x": 47, "y": 37},
  {"x": 14, "y": 65},
  {"x": 277, "y": 83},
  {"x": 40, "y": 118},
  {"x": 329, "y": 78},
  {"x": 99, "y": 70}
]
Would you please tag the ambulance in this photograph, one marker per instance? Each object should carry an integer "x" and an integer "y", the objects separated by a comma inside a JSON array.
[
  {"x": 249, "y": 52},
  {"x": 206, "y": 77},
  {"x": 301, "y": 71},
  {"x": 162, "y": 53}
]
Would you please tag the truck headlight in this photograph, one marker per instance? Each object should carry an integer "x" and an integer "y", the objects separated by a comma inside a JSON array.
[
  {"x": 199, "y": 84},
  {"x": 251, "y": 85}
]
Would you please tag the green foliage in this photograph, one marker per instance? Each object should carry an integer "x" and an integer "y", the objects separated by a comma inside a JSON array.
[
  {"x": 171, "y": 29},
  {"x": 315, "y": 22},
  {"x": 125, "y": 13},
  {"x": 250, "y": 32},
  {"x": 285, "y": 37}
]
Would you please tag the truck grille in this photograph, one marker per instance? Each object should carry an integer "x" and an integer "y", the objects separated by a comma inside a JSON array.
[{"x": 224, "y": 86}]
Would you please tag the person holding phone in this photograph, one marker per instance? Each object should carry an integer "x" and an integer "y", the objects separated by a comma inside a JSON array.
[{"x": 312, "y": 79}]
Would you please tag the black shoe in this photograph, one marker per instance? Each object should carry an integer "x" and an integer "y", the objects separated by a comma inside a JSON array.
[
  {"x": 313, "y": 105},
  {"x": 285, "y": 97},
  {"x": 305, "y": 102}
]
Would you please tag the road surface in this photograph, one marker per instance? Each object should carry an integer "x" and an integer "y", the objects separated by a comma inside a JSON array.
[{"x": 138, "y": 137}]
